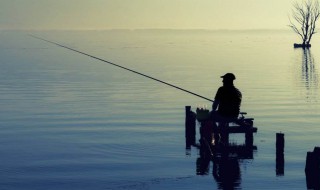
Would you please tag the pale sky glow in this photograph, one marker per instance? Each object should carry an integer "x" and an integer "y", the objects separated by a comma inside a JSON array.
[{"x": 140, "y": 14}]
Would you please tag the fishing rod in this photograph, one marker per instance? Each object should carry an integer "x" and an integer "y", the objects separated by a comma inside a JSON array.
[{"x": 136, "y": 72}]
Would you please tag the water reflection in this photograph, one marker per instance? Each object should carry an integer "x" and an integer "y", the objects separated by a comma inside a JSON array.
[
  {"x": 226, "y": 160},
  {"x": 215, "y": 147},
  {"x": 309, "y": 75},
  {"x": 226, "y": 172},
  {"x": 279, "y": 164}
]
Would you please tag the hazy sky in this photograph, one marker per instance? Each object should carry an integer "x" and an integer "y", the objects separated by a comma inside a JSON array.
[{"x": 135, "y": 14}]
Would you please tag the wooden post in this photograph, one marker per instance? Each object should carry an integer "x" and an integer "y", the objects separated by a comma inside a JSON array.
[
  {"x": 280, "y": 154},
  {"x": 249, "y": 139},
  {"x": 312, "y": 169},
  {"x": 190, "y": 127},
  {"x": 316, "y": 152},
  {"x": 280, "y": 142}
]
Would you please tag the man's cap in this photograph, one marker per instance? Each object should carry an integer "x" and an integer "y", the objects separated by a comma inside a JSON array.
[{"x": 229, "y": 76}]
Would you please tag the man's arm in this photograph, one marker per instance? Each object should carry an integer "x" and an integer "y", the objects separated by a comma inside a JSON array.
[
  {"x": 216, "y": 100},
  {"x": 215, "y": 105}
]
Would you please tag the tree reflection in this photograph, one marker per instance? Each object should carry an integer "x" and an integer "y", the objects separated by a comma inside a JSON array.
[{"x": 308, "y": 72}]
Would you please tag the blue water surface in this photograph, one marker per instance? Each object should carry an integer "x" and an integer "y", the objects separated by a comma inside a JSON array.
[{"x": 68, "y": 121}]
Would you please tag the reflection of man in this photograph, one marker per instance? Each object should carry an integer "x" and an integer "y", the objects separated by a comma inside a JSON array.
[
  {"x": 226, "y": 172},
  {"x": 227, "y": 100}
]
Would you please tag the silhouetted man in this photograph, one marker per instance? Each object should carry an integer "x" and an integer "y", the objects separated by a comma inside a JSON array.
[
  {"x": 227, "y": 100},
  {"x": 226, "y": 107}
]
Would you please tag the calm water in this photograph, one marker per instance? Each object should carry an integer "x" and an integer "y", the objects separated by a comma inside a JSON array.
[{"x": 71, "y": 122}]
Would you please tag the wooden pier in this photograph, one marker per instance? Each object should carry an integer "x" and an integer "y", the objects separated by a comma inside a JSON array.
[
  {"x": 214, "y": 145},
  {"x": 239, "y": 125}
]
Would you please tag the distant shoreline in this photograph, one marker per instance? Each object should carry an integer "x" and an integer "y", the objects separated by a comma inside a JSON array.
[{"x": 155, "y": 30}]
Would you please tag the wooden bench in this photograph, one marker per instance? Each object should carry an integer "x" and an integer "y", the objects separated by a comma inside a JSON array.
[
  {"x": 239, "y": 125},
  {"x": 223, "y": 129}
]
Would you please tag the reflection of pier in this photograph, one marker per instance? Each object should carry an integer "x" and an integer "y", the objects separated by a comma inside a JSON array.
[
  {"x": 225, "y": 163},
  {"x": 214, "y": 147}
]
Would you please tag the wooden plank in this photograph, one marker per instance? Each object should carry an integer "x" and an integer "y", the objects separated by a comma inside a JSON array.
[{"x": 239, "y": 129}]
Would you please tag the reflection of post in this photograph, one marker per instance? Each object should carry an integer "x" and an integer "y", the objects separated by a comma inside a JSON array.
[
  {"x": 190, "y": 127},
  {"x": 280, "y": 154}
]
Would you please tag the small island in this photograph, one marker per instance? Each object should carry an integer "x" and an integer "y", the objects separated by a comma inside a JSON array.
[{"x": 305, "y": 15}]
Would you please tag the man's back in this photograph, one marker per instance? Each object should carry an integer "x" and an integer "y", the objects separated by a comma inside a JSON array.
[{"x": 229, "y": 99}]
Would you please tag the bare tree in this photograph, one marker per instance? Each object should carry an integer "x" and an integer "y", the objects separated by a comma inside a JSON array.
[{"x": 305, "y": 15}]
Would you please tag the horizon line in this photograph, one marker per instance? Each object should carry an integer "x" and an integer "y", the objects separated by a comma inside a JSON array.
[{"x": 150, "y": 29}]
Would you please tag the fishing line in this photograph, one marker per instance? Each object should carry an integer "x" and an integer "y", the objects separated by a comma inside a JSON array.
[{"x": 136, "y": 72}]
